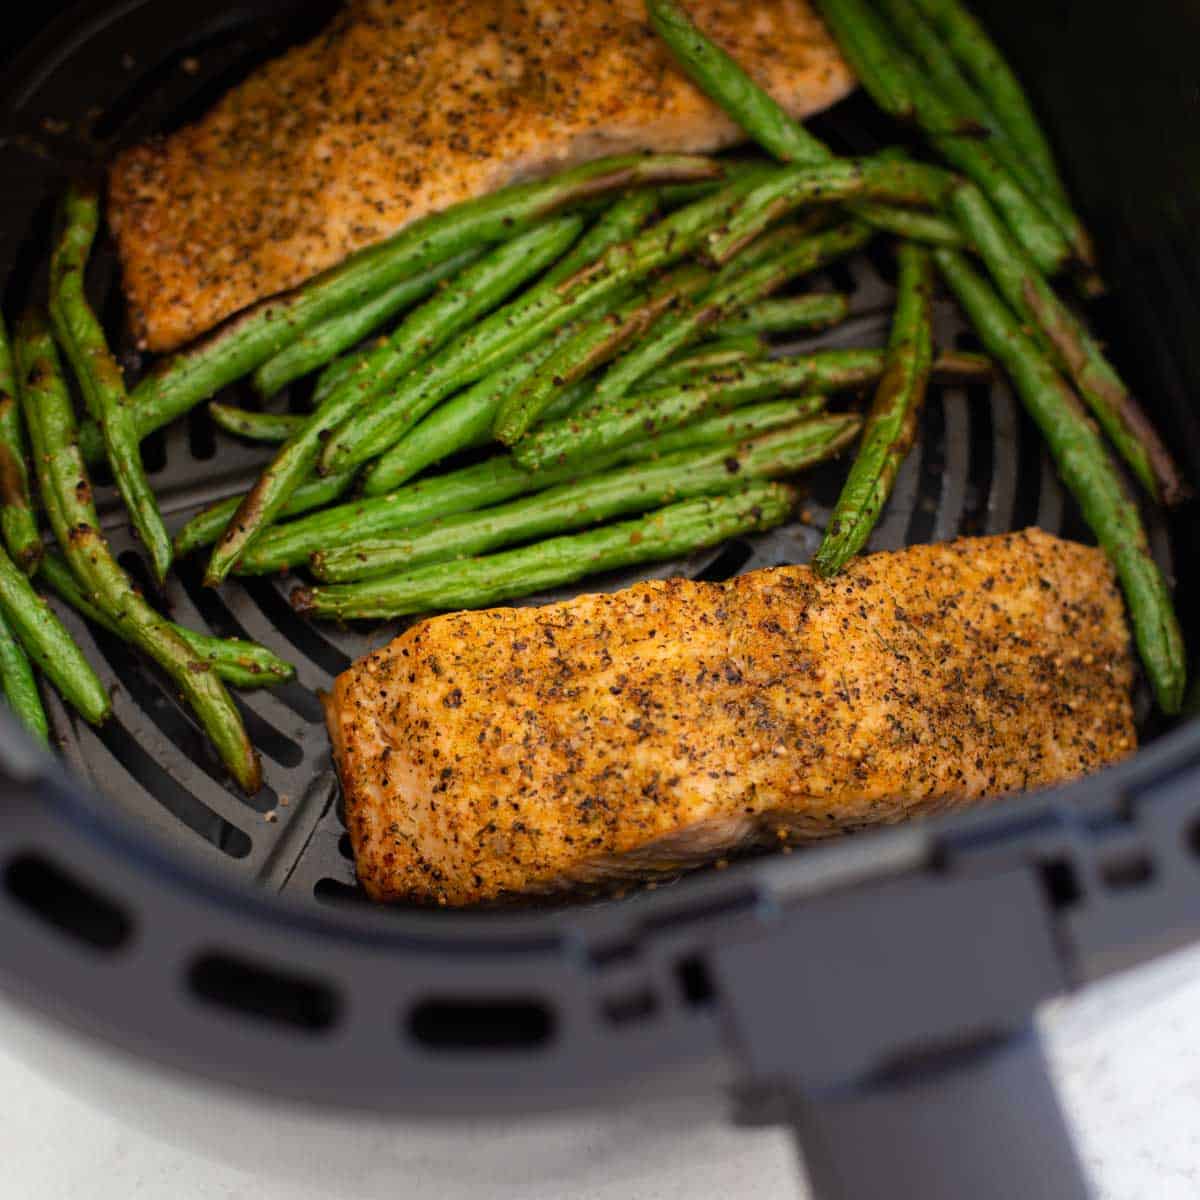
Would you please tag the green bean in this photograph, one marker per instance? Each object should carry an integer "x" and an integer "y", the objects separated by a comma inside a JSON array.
[
  {"x": 330, "y": 337},
  {"x": 674, "y": 195},
  {"x": 892, "y": 420},
  {"x": 480, "y": 582},
  {"x": 596, "y": 343},
  {"x": 618, "y": 224},
  {"x": 512, "y": 330},
  {"x": 604, "y": 430},
  {"x": 721, "y": 78},
  {"x": 1073, "y": 349},
  {"x": 487, "y": 483},
  {"x": 710, "y": 355},
  {"x": 99, "y": 376},
  {"x": 20, "y": 686},
  {"x": 473, "y": 292},
  {"x": 791, "y": 314},
  {"x": 255, "y": 426},
  {"x": 264, "y": 330},
  {"x": 943, "y": 73},
  {"x": 1003, "y": 93},
  {"x": 910, "y": 223},
  {"x": 47, "y": 642},
  {"x": 62, "y": 477},
  {"x": 724, "y": 467},
  {"x": 208, "y": 525},
  {"x": 17, "y": 520},
  {"x": 733, "y": 288},
  {"x": 236, "y": 661},
  {"x": 882, "y": 65},
  {"x": 462, "y": 423},
  {"x": 894, "y": 179},
  {"x": 1088, "y": 472}
]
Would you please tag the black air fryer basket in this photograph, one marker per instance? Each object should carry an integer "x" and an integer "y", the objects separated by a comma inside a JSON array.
[{"x": 876, "y": 994}]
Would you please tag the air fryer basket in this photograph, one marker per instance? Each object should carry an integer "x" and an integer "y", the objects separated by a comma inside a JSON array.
[{"x": 223, "y": 934}]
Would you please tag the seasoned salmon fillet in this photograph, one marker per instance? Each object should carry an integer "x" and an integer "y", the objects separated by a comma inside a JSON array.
[
  {"x": 404, "y": 107},
  {"x": 486, "y": 754}
]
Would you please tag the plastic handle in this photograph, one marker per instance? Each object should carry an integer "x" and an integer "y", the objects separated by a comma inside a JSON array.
[{"x": 986, "y": 1126}]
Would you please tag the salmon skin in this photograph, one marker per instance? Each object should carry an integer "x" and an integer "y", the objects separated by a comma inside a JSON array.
[
  {"x": 405, "y": 107},
  {"x": 484, "y": 755}
]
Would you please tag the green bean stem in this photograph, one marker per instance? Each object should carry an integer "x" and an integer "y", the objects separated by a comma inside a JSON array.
[
  {"x": 480, "y": 582},
  {"x": 1088, "y": 472},
  {"x": 100, "y": 378},
  {"x": 64, "y": 485},
  {"x": 725, "y": 467},
  {"x": 328, "y": 339},
  {"x": 17, "y": 520},
  {"x": 238, "y": 662},
  {"x": 891, "y": 422},
  {"x": 472, "y": 293},
  {"x": 20, "y": 685},
  {"x": 1074, "y": 350}
]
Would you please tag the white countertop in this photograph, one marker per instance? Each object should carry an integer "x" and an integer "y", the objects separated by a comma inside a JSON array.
[{"x": 1126, "y": 1056}]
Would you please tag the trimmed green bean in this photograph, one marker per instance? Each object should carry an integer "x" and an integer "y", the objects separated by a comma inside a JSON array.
[
  {"x": 734, "y": 287},
  {"x": 100, "y": 379},
  {"x": 942, "y": 71},
  {"x": 725, "y": 467},
  {"x": 238, "y": 662},
  {"x": 892, "y": 420},
  {"x": 328, "y": 339},
  {"x": 208, "y": 525},
  {"x": 596, "y": 343},
  {"x": 487, "y": 483},
  {"x": 604, "y": 430},
  {"x": 790, "y": 314},
  {"x": 882, "y": 65},
  {"x": 17, "y": 520},
  {"x": 911, "y": 223},
  {"x": 475, "y": 291},
  {"x": 462, "y": 423},
  {"x": 20, "y": 685},
  {"x": 1088, "y": 472},
  {"x": 512, "y": 330},
  {"x": 1074, "y": 350},
  {"x": 480, "y": 582},
  {"x": 971, "y": 46},
  {"x": 827, "y": 183},
  {"x": 62, "y": 477},
  {"x": 255, "y": 426},
  {"x": 618, "y": 224},
  {"x": 46, "y": 640}
]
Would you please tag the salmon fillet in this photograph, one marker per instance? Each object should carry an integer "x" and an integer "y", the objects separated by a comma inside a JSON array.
[
  {"x": 404, "y": 107},
  {"x": 486, "y": 754}
]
